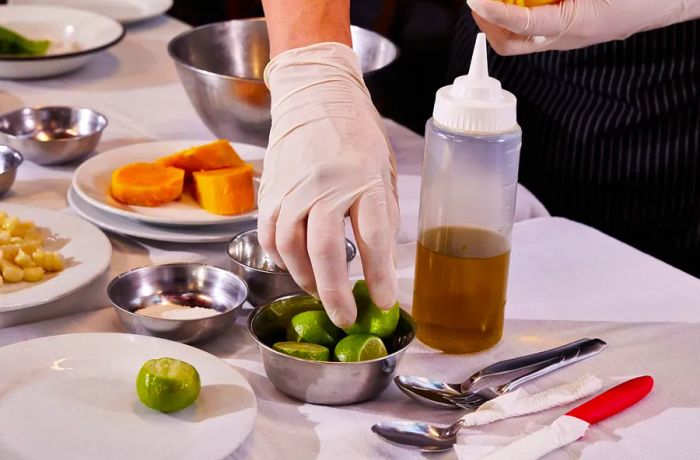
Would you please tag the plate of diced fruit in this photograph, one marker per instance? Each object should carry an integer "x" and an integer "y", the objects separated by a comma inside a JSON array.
[
  {"x": 174, "y": 182},
  {"x": 45, "y": 255}
]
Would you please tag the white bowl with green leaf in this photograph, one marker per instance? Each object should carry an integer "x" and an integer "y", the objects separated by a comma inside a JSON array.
[{"x": 39, "y": 41}]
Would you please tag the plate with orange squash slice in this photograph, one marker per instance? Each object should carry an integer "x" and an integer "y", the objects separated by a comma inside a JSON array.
[{"x": 174, "y": 182}]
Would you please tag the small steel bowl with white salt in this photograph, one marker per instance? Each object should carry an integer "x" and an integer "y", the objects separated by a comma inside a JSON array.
[{"x": 185, "y": 302}]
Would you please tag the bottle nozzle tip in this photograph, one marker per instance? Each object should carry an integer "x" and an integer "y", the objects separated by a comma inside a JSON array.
[{"x": 479, "y": 67}]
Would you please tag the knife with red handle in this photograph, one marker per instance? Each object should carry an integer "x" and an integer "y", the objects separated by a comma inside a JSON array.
[
  {"x": 614, "y": 400},
  {"x": 574, "y": 424}
]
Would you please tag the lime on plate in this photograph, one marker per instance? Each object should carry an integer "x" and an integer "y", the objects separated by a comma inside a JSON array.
[
  {"x": 370, "y": 318},
  {"x": 167, "y": 384},
  {"x": 314, "y": 327},
  {"x": 360, "y": 347},
  {"x": 309, "y": 351}
]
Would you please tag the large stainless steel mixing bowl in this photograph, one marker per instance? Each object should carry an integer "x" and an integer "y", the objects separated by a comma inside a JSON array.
[{"x": 221, "y": 66}]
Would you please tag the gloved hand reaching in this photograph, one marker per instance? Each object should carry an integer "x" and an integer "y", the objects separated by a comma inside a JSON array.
[
  {"x": 572, "y": 24},
  {"x": 328, "y": 157}
]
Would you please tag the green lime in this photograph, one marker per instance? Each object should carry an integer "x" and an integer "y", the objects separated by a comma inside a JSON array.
[
  {"x": 359, "y": 347},
  {"x": 309, "y": 351},
  {"x": 314, "y": 327},
  {"x": 370, "y": 318},
  {"x": 272, "y": 323},
  {"x": 167, "y": 384}
]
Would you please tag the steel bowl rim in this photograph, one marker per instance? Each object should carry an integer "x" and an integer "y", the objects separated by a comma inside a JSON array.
[
  {"x": 18, "y": 156},
  {"x": 98, "y": 131},
  {"x": 257, "y": 310},
  {"x": 178, "y": 61},
  {"x": 391, "y": 42},
  {"x": 119, "y": 277},
  {"x": 348, "y": 243}
]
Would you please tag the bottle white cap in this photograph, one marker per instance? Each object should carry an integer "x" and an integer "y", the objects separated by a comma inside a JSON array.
[{"x": 475, "y": 102}]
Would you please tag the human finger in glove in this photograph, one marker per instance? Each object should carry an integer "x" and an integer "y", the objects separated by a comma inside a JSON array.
[
  {"x": 328, "y": 157},
  {"x": 572, "y": 24}
]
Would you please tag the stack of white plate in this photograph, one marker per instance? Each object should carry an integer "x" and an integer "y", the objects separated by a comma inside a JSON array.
[{"x": 182, "y": 221}]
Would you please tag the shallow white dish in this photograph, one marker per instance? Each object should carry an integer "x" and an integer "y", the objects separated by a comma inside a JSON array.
[
  {"x": 76, "y": 36},
  {"x": 86, "y": 250},
  {"x": 124, "y": 11},
  {"x": 130, "y": 227},
  {"x": 92, "y": 179},
  {"x": 74, "y": 396}
]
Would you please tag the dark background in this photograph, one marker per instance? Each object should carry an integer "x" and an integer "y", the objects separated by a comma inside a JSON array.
[{"x": 422, "y": 29}]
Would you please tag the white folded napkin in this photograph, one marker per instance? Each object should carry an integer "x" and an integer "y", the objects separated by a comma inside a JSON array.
[
  {"x": 562, "y": 431},
  {"x": 519, "y": 402}
]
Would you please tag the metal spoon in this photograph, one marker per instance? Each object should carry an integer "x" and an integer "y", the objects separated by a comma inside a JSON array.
[
  {"x": 431, "y": 392},
  {"x": 419, "y": 435},
  {"x": 502, "y": 376},
  {"x": 450, "y": 396}
]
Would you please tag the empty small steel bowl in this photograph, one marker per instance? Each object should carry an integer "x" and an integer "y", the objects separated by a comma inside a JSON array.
[
  {"x": 52, "y": 135},
  {"x": 221, "y": 67},
  {"x": 10, "y": 160},
  {"x": 266, "y": 281},
  {"x": 186, "y": 284},
  {"x": 323, "y": 382}
]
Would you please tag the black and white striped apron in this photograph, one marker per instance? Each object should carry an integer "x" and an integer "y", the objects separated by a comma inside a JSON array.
[{"x": 611, "y": 134}]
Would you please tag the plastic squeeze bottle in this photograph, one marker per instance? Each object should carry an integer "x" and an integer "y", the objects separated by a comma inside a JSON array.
[{"x": 467, "y": 204}]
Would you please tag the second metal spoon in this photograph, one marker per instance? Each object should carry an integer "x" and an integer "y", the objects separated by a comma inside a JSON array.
[{"x": 419, "y": 435}]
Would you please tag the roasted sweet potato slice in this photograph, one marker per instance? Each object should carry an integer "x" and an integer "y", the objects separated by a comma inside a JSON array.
[
  {"x": 225, "y": 191},
  {"x": 147, "y": 184},
  {"x": 214, "y": 155}
]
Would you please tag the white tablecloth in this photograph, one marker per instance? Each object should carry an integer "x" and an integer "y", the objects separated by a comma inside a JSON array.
[{"x": 567, "y": 281}]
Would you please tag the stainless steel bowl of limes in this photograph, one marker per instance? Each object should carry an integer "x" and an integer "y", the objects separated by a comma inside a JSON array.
[{"x": 352, "y": 366}]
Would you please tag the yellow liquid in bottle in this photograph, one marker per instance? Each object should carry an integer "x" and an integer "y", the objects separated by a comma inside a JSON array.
[{"x": 460, "y": 288}]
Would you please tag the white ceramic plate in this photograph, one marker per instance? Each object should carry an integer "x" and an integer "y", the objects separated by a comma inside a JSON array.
[
  {"x": 86, "y": 250},
  {"x": 76, "y": 36},
  {"x": 91, "y": 182},
  {"x": 124, "y": 11},
  {"x": 130, "y": 227},
  {"x": 73, "y": 396}
]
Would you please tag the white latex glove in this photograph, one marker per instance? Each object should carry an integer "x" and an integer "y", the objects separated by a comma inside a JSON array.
[
  {"x": 572, "y": 24},
  {"x": 328, "y": 157}
]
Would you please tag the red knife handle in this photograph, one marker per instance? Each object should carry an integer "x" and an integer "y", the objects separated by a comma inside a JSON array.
[{"x": 614, "y": 400}]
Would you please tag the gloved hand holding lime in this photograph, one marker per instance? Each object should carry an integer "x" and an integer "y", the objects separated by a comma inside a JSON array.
[
  {"x": 370, "y": 318},
  {"x": 167, "y": 384}
]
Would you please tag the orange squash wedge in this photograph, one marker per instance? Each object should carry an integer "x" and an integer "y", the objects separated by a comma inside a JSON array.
[
  {"x": 225, "y": 191},
  {"x": 214, "y": 155},
  {"x": 147, "y": 184}
]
